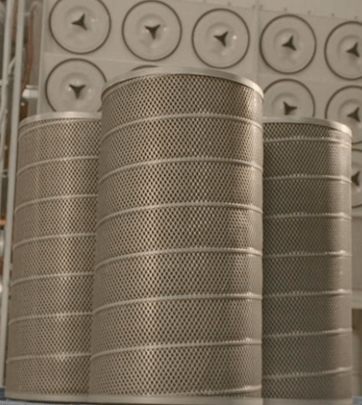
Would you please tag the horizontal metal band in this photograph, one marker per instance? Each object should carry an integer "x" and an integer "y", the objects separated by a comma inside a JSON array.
[
  {"x": 50, "y": 277},
  {"x": 181, "y": 116},
  {"x": 24, "y": 397},
  {"x": 340, "y": 215},
  {"x": 47, "y": 356},
  {"x": 339, "y": 331},
  {"x": 306, "y": 139},
  {"x": 309, "y": 177},
  {"x": 269, "y": 401},
  {"x": 340, "y": 370},
  {"x": 308, "y": 294},
  {"x": 247, "y": 252},
  {"x": 60, "y": 116},
  {"x": 181, "y": 205},
  {"x": 58, "y": 160},
  {"x": 180, "y": 160},
  {"x": 49, "y": 316},
  {"x": 200, "y": 398},
  {"x": 246, "y": 342},
  {"x": 193, "y": 297},
  {"x": 57, "y": 198},
  {"x": 297, "y": 255},
  {"x": 52, "y": 237}
]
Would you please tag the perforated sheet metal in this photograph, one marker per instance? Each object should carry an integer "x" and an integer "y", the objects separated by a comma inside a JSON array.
[
  {"x": 307, "y": 262},
  {"x": 53, "y": 266},
  {"x": 177, "y": 305},
  {"x": 156, "y": 96}
]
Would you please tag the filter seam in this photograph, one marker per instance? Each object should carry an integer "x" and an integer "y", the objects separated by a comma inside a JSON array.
[
  {"x": 340, "y": 215},
  {"x": 179, "y": 205},
  {"x": 179, "y": 160},
  {"x": 42, "y": 238},
  {"x": 178, "y": 116},
  {"x": 339, "y": 331},
  {"x": 245, "y": 342},
  {"x": 47, "y": 356},
  {"x": 340, "y": 370},
  {"x": 249, "y": 252},
  {"x": 57, "y": 160},
  {"x": 51, "y": 276},
  {"x": 49, "y": 316},
  {"x": 309, "y": 177},
  {"x": 55, "y": 198},
  {"x": 308, "y": 294},
  {"x": 298, "y": 255},
  {"x": 306, "y": 139},
  {"x": 189, "y": 297}
]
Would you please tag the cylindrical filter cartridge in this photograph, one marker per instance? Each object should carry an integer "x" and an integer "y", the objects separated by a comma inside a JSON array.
[
  {"x": 54, "y": 250},
  {"x": 307, "y": 262},
  {"x": 178, "y": 283}
]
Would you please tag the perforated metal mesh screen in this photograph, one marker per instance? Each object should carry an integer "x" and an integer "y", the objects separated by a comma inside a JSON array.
[
  {"x": 307, "y": 262},
  {"x": 177, "y": 305},
  {"x": 53, "y": 265}
]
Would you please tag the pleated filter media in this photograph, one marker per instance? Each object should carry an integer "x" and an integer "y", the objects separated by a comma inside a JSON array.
[
  {"x": 53, "y": 266},
  {"x": 178, "y": 282},
  {"x": 307, "y": 335}
]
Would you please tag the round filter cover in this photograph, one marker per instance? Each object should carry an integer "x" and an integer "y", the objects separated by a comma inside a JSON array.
[
  {"x": 152, "y": 30},
  {"x": 80, "y": 26},
  {"x": 221, "y": 38},
  {"x": 356, "y": 178},
  {"x": 288, "y": 98},
  {"x": 75, "y": 85},
  {"x": 288, "y": 44},
  {"x": 343, "y": 50},
  {"x": 346, "y": 106}
]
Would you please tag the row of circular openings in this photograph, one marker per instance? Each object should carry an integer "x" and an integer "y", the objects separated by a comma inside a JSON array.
[
  {"x": 220, "y": 37},
  {"x": 151, "y": 36},
  {"x": 77, "y": 84},
  {"x": 288, "y": 45}
]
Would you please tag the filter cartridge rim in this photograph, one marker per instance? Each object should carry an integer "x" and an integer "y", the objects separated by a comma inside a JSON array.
[
  {"x": 60, "y": 115},
  {"x": 309, "y": 120},
  {"x": 157, "y": 71}
]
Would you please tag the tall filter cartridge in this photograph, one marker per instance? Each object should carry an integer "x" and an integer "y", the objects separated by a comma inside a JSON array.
[
  {"x": 307, "y": 339},
  {"x": 54, "y": 250},
  {"x": 178, "y": 283}
]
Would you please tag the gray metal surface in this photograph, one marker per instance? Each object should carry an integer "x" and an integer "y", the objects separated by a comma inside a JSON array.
[
  {"x": 307, "y": 261},
  {"x": 177, "y": 302},
  {"x": 53, "y": 260}
]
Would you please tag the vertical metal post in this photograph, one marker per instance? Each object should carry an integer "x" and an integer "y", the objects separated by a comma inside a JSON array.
[
  {"x": 9, "y": 23},
  {"x": 11, "y": 183}
]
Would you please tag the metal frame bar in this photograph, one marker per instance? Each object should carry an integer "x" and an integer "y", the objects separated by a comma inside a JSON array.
[
  {"x": 11, "y": 181},
  {"x": 9, "y": 23}
]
